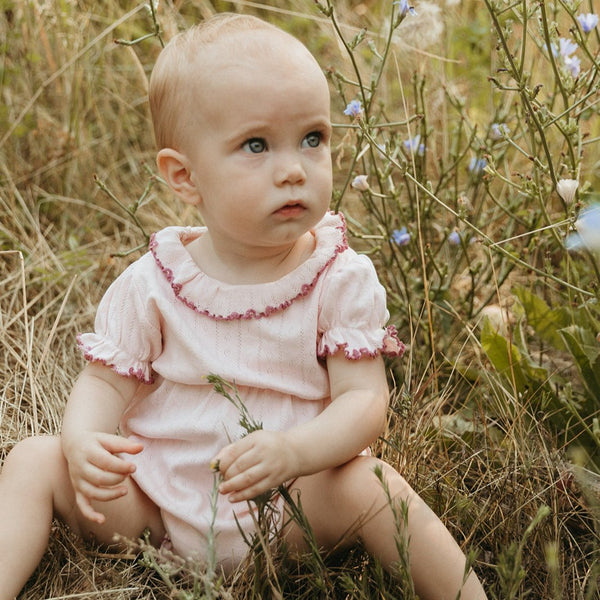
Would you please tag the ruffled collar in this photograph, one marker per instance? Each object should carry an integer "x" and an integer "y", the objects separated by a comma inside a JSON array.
[{"x": 224, "y": 301}]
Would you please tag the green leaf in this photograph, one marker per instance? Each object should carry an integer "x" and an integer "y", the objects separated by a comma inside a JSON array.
[
  {"x": 509, "y": 361},
  {"x": 503, "y": 355},
  {"x": 545, "y": 321},
  {"x": 584, "y": 348}
]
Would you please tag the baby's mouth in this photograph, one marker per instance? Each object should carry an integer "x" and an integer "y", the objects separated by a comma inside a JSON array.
[{"x": 292, "y": 208}]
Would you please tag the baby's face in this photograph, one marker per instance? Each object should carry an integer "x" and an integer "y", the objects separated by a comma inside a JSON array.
[{"x": 259, "y": 145}]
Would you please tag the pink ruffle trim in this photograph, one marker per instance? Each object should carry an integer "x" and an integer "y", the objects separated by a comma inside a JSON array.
[
  {"x": 391, "y": 346},
  {"x": 139, "y": 373},
  {"x": 250, "y": 313}
]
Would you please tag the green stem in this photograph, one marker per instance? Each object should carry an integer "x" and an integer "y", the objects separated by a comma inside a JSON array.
[
  {"x": 523, "y": 92},
  {"x": 129, "y": 211},
  {"x": 486, "y": 239}
]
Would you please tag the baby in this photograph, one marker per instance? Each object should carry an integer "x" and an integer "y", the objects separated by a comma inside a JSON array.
[{"x": 267, "y": 295}]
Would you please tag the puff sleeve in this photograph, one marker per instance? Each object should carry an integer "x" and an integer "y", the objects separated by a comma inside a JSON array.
[
  {"x": 127, "y": 335},
  {"x": 353, "y": 312}
]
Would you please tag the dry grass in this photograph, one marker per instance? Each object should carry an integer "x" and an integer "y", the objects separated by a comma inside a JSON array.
[{"x": 74, "y": 107}]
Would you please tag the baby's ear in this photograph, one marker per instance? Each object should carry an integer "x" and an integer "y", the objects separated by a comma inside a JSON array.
[{"x": 176, "y": 171}]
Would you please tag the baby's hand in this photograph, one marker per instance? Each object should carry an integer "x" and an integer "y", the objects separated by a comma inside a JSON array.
[
  {"x": 95, "y": 470},
  {"x": 258, "y": 462}
]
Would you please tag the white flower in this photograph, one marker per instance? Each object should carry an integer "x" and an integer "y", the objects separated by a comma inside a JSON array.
[
  {"x": 588, "y": 230},
  {"x": 564, "y": 51},
  {"x": 360, "y": 183},
  {"x": 566, "y": 189}
]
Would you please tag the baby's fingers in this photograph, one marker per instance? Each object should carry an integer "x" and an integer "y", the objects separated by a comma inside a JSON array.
[
  {"x": 109, "y": 463},
  {"x": 116, "y": 444},
  {"x": 229, "y": 454},
  {"x": 87, "y": 510},
  {"x": 103, "y": 494},
  {"x": 246, "y": 486},
  {"x": 101, "y": 477},
  {"x": 110, "y": 447},
  {"x": 106, "y": 455}
]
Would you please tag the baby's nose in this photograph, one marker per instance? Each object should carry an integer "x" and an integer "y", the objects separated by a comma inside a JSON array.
[{"x": 290, "y": 170}]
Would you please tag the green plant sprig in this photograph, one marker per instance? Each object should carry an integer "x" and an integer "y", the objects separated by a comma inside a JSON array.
[
  {"x": 523, "y": 91},
  {"x": 131, "y": 211},
  {"x": 484, "y": 237}
]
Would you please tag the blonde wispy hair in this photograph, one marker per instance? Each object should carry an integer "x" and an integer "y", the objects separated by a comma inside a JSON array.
[{"x": 171, "y": 87}]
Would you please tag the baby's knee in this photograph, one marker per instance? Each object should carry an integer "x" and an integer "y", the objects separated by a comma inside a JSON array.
[
  {"x": 372, "y": 479},
  {"x": 35, "y": 456}
]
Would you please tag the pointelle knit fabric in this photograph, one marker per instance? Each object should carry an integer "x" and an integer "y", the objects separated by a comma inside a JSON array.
[{"x": 170, "y": 325}]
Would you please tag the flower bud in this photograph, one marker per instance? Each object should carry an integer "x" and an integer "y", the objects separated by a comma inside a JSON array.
[{"x": 566, "y": 189}]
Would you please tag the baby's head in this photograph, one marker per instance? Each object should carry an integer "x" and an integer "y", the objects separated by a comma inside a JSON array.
[
  {"x": 242, "y": 123},
  {"x": 184, "y": 74}
]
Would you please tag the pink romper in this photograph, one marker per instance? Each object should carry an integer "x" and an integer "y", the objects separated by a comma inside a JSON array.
[{"x": 167, "y": 323}]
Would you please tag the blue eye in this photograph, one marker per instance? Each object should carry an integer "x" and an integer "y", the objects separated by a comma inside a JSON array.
[
  {"x": 255, "y": 145},
  {"x": 312, "y": 140}
]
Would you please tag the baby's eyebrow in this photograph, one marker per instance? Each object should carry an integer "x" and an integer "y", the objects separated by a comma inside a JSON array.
[
  {"x": 248, "y": 131},
  {"x": 322, "y": 125}
]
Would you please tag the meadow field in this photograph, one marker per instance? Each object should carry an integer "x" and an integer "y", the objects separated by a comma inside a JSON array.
[{"x": 467, "y": 163}]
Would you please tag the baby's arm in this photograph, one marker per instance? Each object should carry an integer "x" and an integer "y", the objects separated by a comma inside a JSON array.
[
  {"x": 97, "y": 401},
  {"x": 355, "y": 417}
]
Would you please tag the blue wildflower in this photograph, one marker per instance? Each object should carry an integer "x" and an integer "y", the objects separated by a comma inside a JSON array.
[
  {"x": 456, "y": 238},
  {"x": 588, "y": 21},
  {"x": 573, "y": 65},
  {"x": 588, "y": 230},
  {"x": 401, "y": 237},
  {"x": 499, "y": 130},
  {"x": 404, "y": 8},
  {"x": 567, "y": 47},
  {"x": 477, "y": 165},
  {"x": 360, "y": 183},
  {"x": 564, "y": 51},
  {"x": 413, "y": 145},
  {"x": 354, "y": 109}
]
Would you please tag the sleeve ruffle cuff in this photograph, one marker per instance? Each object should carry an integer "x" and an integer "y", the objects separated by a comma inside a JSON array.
[
  {"x": 101, "y": 350},
  {"x": 358, "y": 344}
]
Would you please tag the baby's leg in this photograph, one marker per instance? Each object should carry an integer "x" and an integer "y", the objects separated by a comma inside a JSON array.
[
  {"x": 349, "y": 503},
  {"x": 34, "y": 488}
]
